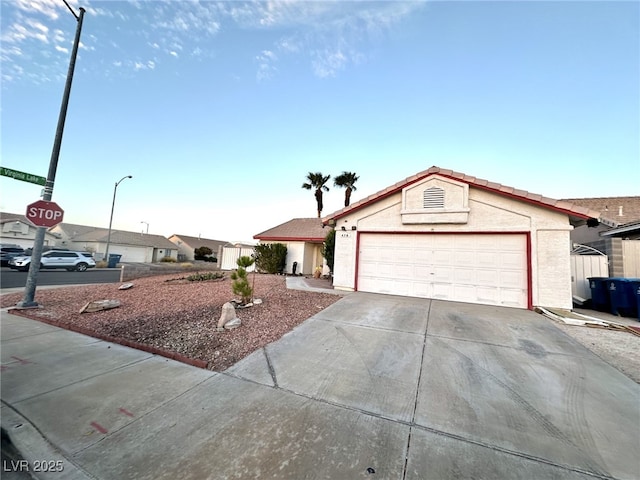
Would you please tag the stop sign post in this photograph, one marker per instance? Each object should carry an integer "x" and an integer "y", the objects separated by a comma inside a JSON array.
[{"x": 44, "y": 214}]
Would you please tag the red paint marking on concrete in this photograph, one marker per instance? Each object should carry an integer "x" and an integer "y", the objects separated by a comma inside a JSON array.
[
  {"x": 99, "y": 427},
  {"x": 126, "y": 412},
  {"x": 21, "y": 360},
  {"x": 3, "y": 368}
]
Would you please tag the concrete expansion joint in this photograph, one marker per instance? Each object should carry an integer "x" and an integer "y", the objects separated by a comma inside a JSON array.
[
  {"x": 507, "y": 451},
  {"x": 31, "y": 443},
  {"x": 370, "y": 327},
  {"x": 272, "y": 370},
  {"x": 140, "y": 417}
]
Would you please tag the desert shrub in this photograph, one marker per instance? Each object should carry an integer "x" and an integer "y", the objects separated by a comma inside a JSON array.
[
  {"x": 168, "y": 260},
  {"x": 240, "y": 279},
  {"x": 329, "y": 248},
  {"x": 101, "y": 264},
  {"x": 204, "y": 253},
  {"x": 202, "y": 277},
  {"x": 271, "y": 257}
]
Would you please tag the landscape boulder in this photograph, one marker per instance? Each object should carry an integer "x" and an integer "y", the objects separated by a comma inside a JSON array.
[{"x": 228, "y": 314}]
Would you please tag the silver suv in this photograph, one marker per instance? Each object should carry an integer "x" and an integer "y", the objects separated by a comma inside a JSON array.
[
  {"x": 7, "y": 252},
  {"x": 78, "y": 261}
]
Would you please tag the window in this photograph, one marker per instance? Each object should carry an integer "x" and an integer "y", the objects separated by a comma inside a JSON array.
[{"x": 433, "y": 198}]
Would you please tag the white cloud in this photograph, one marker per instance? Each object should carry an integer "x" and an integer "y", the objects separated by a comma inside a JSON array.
[
  {"x": 329, "y": 35},
  {"x": 266, "y": 68},
  {"x": 327, "y": 63}
]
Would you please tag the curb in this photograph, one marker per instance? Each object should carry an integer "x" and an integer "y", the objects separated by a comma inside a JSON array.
[
  {"x": 38, "y": 454},
  {"x": 118, "y": 340}
]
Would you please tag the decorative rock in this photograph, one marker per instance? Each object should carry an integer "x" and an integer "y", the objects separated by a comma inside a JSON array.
[
  {"x": 125, "y": 286},
  {"x": 257, "y": 301},
  {"x": 98, "y": 305},
  {"x": 233, "y": 323},
  {"x": 228, "y": 314}
]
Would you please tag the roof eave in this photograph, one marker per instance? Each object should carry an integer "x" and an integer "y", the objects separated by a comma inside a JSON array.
[
  {"x": 289, "y": 239},
  {"x": 577, "y": 214}
]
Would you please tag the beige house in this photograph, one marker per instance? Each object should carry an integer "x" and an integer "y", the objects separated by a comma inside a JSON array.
[
  {"x": 304, "y": 238},
  {"x": 134, "y": 247},
  {"x": 617, "y": 236},
  {"x": 186, "y": 246},
  {"x": 444, "y": 235},
  {"x": 16, "y": 229}
]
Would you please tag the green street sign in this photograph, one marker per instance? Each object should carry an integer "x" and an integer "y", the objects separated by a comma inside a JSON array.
[{"x": 25, "y": 177}]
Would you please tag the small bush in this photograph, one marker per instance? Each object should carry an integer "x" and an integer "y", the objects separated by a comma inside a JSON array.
[
  {"x": 202, "y": 251},
  {"x": 271, "y": 257},
  {"x": 329, "y": 248},
  {"x": 168, "y": 260},
  {"x": 240, "y": 280},
  {"x": 205, "y": 254},
  {"x": 202, "y": 277},
  {"x": 101, "y": 264}
]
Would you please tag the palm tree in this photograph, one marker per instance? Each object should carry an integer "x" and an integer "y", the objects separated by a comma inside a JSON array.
[
  {"x": 317, "y": 181},
  {"x": 348, "y": 180}
]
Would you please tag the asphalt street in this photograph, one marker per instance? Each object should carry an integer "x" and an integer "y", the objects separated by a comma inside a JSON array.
[{"x": 14, "y": 279}]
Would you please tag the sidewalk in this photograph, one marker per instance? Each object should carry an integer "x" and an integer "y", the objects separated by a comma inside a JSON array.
[{"x": 371, "y": 387}]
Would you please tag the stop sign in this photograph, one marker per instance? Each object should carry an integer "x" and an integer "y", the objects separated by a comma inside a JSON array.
[{"x": 44, "y": 214}]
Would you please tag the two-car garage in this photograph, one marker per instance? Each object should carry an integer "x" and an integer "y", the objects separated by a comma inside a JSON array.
[{"x": 475, "y": 268}]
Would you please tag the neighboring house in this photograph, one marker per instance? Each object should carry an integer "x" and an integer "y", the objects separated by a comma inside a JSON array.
[
  {"x": 132, "y": 246},
  {"x": 16, "y": 229},
  {"x": 304, "y": 238},
  {"x": 444, "y": 235},
  {"x": 617, "y": 236},
  {"x": 187, "y": 245}
]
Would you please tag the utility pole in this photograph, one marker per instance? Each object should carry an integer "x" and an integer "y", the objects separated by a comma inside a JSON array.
[{"x": 36, "y": 254}]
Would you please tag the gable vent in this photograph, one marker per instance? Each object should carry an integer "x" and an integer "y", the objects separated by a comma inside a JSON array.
[{"x": 433, "y": 198}]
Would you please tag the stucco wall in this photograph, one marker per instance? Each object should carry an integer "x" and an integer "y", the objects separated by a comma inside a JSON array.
[{"x": 488, "y": 212}]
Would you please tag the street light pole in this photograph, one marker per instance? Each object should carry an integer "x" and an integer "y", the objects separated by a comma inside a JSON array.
[
  {"x": 113, "y": 204},
  {"x": 34, "y": 266}
]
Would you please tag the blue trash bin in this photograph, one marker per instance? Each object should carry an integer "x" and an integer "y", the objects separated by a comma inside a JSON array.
[
  {"x": 636, "y": 291},
  {"x": 622, "y": 296},
  {"x": 599, "y": 294},
  {"x": 113, "y": 260}
]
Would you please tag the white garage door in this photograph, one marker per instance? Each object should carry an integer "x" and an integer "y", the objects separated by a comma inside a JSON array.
[{"x": 475, "y": 268}]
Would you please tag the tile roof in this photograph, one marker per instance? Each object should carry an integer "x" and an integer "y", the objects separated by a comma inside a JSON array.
[
  {"x": 12, "y": 217},
  {"x": 297, "y": 229},
  {"x": 614, "y": 211},
  {"x": 574, "y": 211},
  {"x": 73, "y": 230},
  {"x": 125, "y": 238},
  {"x": 195, "y": 242}
]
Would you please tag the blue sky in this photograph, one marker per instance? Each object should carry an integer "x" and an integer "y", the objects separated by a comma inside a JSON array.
[{"x": 220, "y": 109}]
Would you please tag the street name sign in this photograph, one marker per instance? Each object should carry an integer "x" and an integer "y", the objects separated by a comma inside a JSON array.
[
  {"x": 44, "y": 214},
  {"x": 25, "y": 177}
]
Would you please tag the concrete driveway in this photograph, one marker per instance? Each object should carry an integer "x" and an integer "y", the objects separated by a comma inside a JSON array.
[{"x": 372, "y": 387}]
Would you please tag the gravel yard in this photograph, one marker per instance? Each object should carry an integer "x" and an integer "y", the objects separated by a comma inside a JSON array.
[
  {"x": 174, "y": 315},
  {"x": 178, "y": 316}
]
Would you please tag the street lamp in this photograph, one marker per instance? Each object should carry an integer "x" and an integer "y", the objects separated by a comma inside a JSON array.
[
  {"x": 147, "y": 226},
  {"x": 115, "y": 189}
]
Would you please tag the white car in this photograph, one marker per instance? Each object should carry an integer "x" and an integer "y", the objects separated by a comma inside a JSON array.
[{"x": 71, "y": 261}]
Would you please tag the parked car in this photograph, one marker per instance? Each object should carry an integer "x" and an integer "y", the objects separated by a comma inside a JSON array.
[
  {"x": 45, "y": 248},
  {"x": 7, "y": 252},
  {"x": 71, "y": 261}
]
